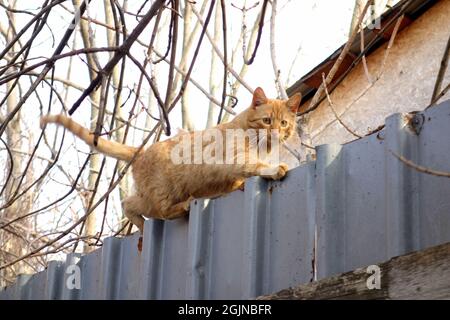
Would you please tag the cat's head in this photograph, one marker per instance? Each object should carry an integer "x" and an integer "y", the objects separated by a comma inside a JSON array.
[{"x": 274, "y": 114}]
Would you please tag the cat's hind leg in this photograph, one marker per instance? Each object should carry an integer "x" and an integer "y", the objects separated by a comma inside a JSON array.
[
  {"x": 134, "y": 206},
  {"x": 267, "y": 171},
  {"x": 177, "y": 210}
]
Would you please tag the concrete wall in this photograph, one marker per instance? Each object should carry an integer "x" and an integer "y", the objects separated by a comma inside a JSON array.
[{"x": 406, "y": 84}]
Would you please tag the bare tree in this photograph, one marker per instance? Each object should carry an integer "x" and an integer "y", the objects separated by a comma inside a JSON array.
[
  {"x": 13, "y": 240},
  {"x": 93, "y": 66},
  {"x": 122, "y": 67}
]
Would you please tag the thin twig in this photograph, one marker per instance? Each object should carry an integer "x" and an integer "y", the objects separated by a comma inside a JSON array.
[
  {"x": 173, "y": 55},
  {"x": 364, "y": 60},
  {"x": 420, "y": 168},
  {"x": 225, "y": 60},
  {"x": 220, "y": 55},
  {"x": 440, "y": 95},
  {"x": 341, "y": 57},
  {"x": 197, "y": 49},
  {"x": 441, "y": 73},
  {"x": 292, "y": 151},
  {"x": 52, "y": 60},
  {"x": 123, "y": 50},
  {"x": 62, "y": 44},
  {"x": 169, "y": 37},
  {"x": 199, "y": 87},
  {"x": 379, "y": 74},
  {"x": 276, "y": 70},
  {"x": 258, "y": 38},
  {"x": 356, "y": 61},
  {"x": 330, "y": 103}
]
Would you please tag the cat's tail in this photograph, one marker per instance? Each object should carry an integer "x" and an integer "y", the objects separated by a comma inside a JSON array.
[{"x": 110, "y": 148}]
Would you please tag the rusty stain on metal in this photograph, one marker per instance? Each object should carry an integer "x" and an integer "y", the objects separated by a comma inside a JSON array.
[{"x": 139, "y": 246}]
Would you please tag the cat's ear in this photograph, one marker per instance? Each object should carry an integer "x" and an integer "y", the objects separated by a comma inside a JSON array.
[
  {"x": 259, "y": 97},
  {"x": 294, "y": 102}
]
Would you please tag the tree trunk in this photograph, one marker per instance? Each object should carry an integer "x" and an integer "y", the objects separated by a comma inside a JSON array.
[
  {"x": 13, "y": 246},
  {"x": 214, "y": 74},
  {"x": 186, "y": 120},
  {"x": 124, "y": 186},
  {"x": 94, "y": 165}
]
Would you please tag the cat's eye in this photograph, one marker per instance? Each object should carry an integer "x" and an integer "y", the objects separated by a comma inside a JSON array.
[
  {"x": 267, "y": 120},
  {"x": 284, "y": 123}
]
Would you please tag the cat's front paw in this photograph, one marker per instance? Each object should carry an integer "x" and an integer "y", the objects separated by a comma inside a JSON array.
[
  {"x": 281, "y": 172},
  {"x": 187, "y": 203},
  {"x": 276, "y": 172}
]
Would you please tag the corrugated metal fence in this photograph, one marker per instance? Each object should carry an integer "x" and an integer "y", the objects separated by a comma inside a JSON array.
[{"x": 356, "y": 205}]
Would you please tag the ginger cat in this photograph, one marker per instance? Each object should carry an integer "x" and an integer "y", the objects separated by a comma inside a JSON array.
[{"x": 164, "y": 189}]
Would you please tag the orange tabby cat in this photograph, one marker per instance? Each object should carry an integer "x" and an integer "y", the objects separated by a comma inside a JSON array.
[{"x": 164, "y": 188}]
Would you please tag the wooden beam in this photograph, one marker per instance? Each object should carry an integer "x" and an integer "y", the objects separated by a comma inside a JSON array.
[{"x": 418, "y": 275}]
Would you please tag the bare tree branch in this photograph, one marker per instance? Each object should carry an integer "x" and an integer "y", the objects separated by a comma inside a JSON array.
[
  {"x": 122, "y": 51},
  {"x": 276, "y": 70},
  {"x": 340, "y": 59},
  {"x": 419, "y": 168},
  {"x": 217, "y": 50},
  {"x": 330, "y": 103},
  {"x": 441, "y": 73}
]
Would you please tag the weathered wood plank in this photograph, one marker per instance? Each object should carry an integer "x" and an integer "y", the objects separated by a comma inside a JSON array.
[{"x": 418, "y": 275}]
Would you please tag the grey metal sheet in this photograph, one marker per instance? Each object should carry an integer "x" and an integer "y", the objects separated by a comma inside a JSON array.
[
  {"x": 199, "y": 248},
  {"x": 129, "y": 271},
  {"x": 226, "y": 247},
  {"x": 90, "y": 275},
  {"x": 351, "y": 217},
  {"x": 55, "y": 276},
  {"x": 35, "y": 288},
  {"x": 289, "y": 231},
  {"x": 370, "y": 206},
  {"x": 172, "y": 280},
  {"x": 354, "y": 206},
  {"x": 110, "y": 268},
  {"x": 433, "y": 203}
]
